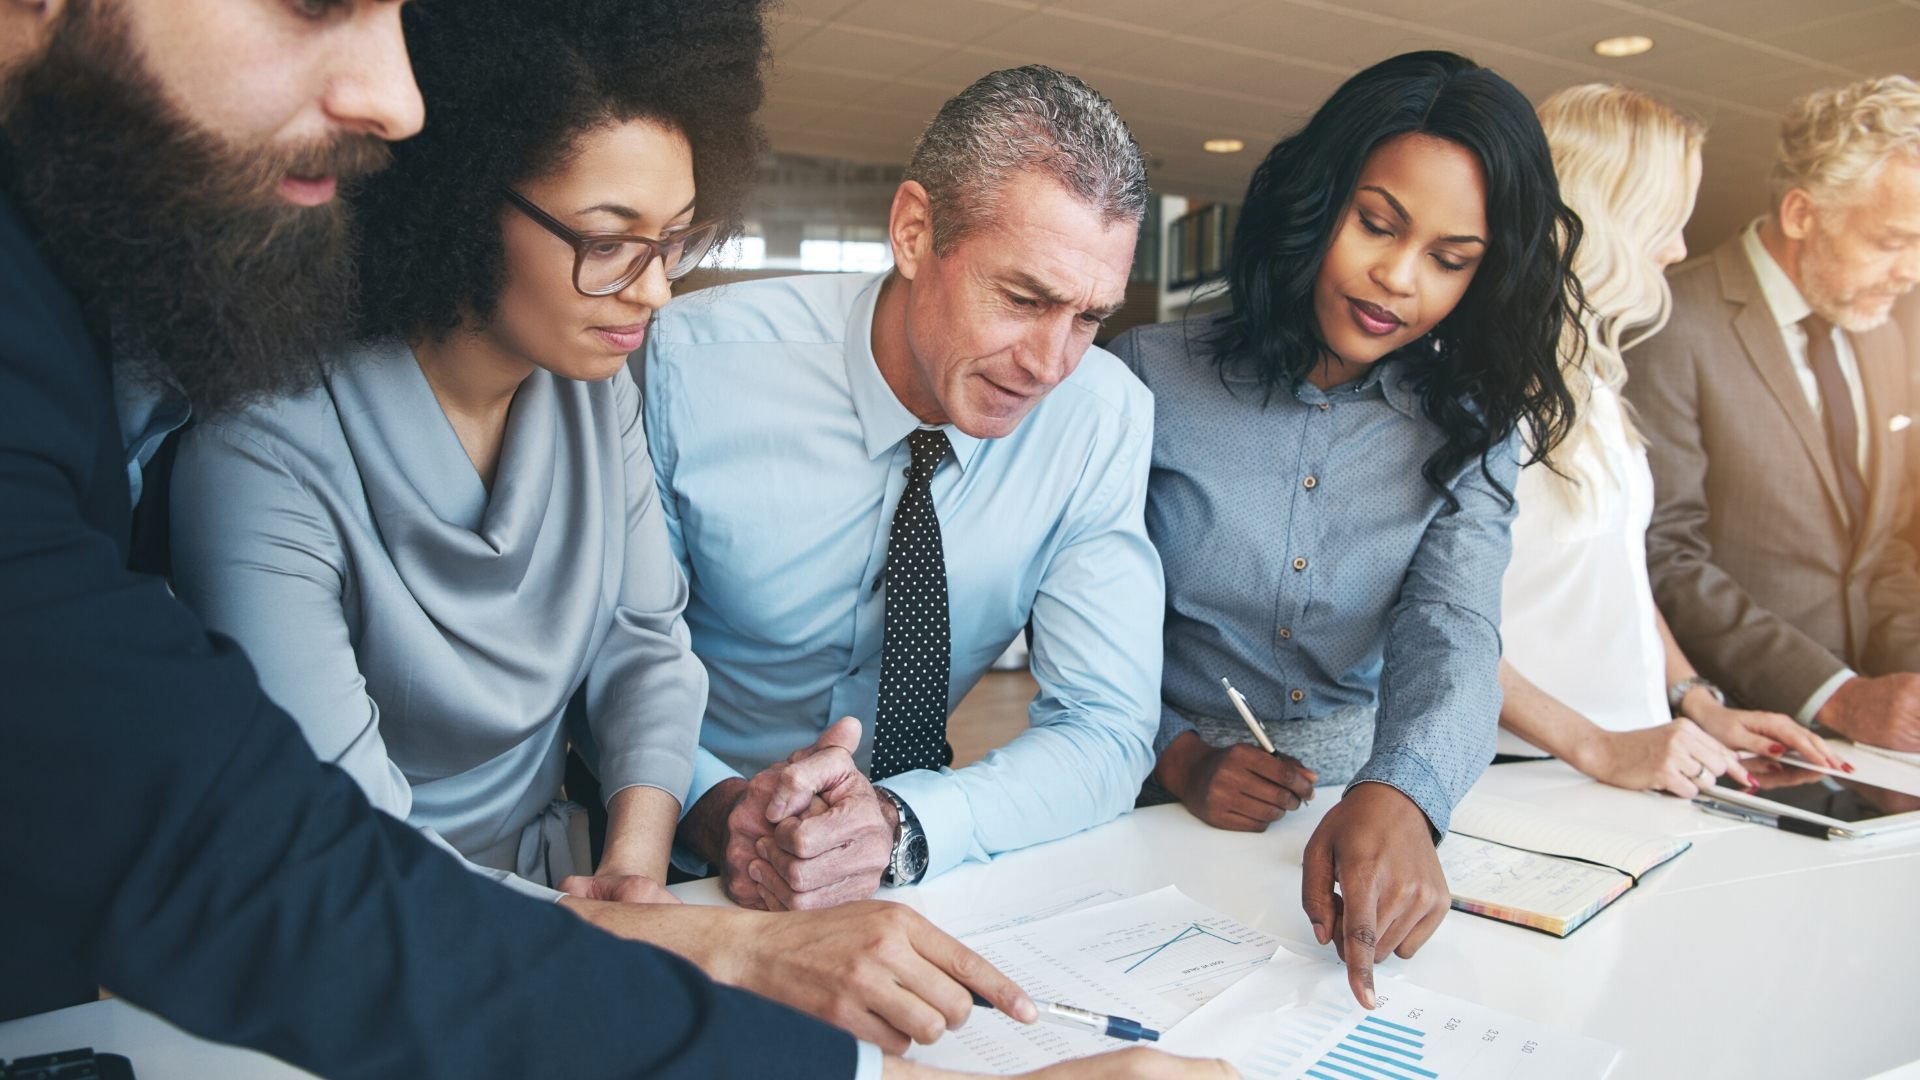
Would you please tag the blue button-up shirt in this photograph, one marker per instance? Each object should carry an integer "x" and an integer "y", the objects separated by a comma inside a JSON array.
[
  {"x": 148, "y": 413},
  {"x": 1309, "y": 561},
  {"x": 781, "y": 453}
]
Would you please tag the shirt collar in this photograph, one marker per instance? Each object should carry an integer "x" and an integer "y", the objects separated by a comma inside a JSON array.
[
  {"x": 149, "y": 409},
  {"x": 1385, "y": 378},
  {"x": 1395, "y": 379},
  {"x": 1783, "y": 298},
  {"x": 884, "y": 421}
]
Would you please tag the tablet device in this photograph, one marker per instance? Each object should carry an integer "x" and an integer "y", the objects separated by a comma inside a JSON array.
[{"x": 1845, "y": 806}]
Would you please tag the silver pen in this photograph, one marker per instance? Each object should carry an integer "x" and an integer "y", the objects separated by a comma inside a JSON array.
[
  {"x": 1113, "y": 1027},
  {"x": 1783, "y": 822},
  {"x": 1240, "y": 706}
]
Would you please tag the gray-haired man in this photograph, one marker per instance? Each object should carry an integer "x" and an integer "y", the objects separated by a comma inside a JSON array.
[
  {"x": 1775, "y": 402},
  {"x": 873, "y": 482}
]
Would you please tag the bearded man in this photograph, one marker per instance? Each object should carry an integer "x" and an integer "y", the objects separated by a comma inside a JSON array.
[
  {"x": 167, "y": 182},
  {"x": 1776, "y": 405}
]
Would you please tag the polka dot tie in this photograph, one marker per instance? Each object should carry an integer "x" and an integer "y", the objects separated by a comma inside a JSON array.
[{"x": 910, "y": 728}]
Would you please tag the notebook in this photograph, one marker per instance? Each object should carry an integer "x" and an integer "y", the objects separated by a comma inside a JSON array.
[{"x": 1507, "y": 860}]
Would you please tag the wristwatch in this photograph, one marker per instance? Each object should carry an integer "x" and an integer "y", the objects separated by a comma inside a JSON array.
[
  {"x": 1685, "y": 686},
  {"x": 909, "y": 861}
]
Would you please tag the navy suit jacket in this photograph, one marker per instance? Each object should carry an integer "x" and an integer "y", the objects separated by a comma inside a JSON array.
[{"x": 165, "y": 831}]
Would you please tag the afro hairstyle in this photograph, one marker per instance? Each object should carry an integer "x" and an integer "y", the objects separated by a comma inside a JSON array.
[{"x": 510, "y": 86}]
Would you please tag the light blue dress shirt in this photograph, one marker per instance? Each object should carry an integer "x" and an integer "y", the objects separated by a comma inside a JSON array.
[
  {"x": 1310, "y": 562},
  {"x": 781, "y": 452},
  {"x": 148, "y": 413}
]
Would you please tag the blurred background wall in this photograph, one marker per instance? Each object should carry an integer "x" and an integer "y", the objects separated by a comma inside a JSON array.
[{"x": 854, "y": 80}]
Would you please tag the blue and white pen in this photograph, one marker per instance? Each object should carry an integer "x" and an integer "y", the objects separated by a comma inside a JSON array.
[{"x": 1113, "y": 1027}]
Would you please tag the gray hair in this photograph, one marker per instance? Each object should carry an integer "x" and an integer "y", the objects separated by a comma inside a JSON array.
[
  {"x": 1833, "y": 141},
  {"x": 1026, "y": 119}
]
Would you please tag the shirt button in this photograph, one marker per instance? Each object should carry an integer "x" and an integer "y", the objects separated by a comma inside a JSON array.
[
  {"x": 1297, "y": 696},
  {"x": 1310, "y": 483},
  {"x": 1300, "y": 563},
  {"x": 1286, "y": 634}
]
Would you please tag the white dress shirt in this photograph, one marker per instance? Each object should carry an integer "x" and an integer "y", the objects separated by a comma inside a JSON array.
[
  {"x": 1789, "y": 307},
  {"x": 1579, "y": 620}
]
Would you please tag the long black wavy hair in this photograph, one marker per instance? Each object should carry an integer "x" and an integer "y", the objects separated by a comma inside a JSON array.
[
  {"x": 510, "y": 86},
  {"x": 1493, "y": 364}
]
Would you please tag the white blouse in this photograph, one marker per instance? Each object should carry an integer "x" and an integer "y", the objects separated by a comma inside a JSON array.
[{"x": 1577, "y": 610}]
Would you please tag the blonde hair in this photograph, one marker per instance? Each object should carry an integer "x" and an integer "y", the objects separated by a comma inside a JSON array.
[
  {"x": 1833, "y": 141},
  {"x": 1623, "y": 160}
]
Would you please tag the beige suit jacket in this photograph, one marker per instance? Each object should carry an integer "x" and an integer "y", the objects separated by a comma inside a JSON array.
[
  {"x": 1906, "y": 314},
  {"x": 1753, "y": 564}
]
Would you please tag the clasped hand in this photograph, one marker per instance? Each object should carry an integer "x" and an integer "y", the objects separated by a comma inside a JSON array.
[{"x": 809, "y": 832}]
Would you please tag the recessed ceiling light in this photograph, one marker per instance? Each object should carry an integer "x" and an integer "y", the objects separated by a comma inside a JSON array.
[
  {"x": 1625, "y": 45},
  {"x": 1223, "y": 146}
]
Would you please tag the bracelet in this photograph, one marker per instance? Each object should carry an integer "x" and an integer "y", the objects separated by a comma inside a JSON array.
[{"x": 1686, "y": 686}]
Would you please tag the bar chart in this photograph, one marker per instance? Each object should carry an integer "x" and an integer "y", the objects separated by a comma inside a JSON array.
[
  {"x": 1375, "y": 1048},
  {"x": 1295, "y": 1019}
]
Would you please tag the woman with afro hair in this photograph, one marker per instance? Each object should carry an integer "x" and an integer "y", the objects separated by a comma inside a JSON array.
[{"x": 448, "y": 562}]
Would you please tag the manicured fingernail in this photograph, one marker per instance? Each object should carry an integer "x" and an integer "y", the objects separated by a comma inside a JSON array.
[
  {"x": 1370, "y": 1000},
  {"x": 1776, "y": 748},
  {"x": 1846, "y": 767}
]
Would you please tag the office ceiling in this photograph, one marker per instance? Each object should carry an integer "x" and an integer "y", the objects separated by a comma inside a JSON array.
[{"x": 858, "y": 78}]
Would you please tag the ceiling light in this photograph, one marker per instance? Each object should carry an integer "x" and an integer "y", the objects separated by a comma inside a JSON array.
[
  {"x": 1625, "y": 45},
  {"x": 1223, "y": 146}
]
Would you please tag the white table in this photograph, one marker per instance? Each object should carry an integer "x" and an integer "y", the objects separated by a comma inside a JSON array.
[{"x": 1756, "y": 954}]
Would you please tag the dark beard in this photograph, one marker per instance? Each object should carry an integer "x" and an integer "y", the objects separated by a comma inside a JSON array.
[{"x": 185, "y": 260}]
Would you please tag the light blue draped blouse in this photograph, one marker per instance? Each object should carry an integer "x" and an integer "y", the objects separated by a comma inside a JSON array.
[{"x": 427, "y": 635}]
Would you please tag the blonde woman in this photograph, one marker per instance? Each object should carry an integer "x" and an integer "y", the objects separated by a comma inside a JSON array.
[{"x": 1591, "y": 673}]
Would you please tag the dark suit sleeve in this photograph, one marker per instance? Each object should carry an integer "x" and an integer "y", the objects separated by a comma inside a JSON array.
[
  {"x": 1761, "y": 659},
  {"x": 167, "y": 834}
]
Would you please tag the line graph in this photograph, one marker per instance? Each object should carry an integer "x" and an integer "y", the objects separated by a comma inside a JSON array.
[
  {"x": 1152, "y": 958},
  {"x": 1184, "y": 957},
  {"x": 1191, "y": 930}
]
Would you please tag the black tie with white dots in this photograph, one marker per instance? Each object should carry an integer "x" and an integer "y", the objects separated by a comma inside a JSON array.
[{"x": 910, "y": 727}]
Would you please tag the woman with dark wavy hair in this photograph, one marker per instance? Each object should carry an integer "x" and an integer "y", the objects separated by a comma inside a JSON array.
[
  {"x": 1332, "y": 479},
  {"x": 458, "y": 534}
]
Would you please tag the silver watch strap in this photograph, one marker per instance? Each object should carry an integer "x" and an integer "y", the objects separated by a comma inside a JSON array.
[
  {"x": 903, "y": 831},
  {"x": 1685, "y": 686}
]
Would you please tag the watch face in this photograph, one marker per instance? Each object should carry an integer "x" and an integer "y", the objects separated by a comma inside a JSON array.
[{"x": 916, "y": 858}]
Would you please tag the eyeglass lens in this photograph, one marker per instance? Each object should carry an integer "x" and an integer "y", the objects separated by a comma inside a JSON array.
[{"x": 610, "y": 265}]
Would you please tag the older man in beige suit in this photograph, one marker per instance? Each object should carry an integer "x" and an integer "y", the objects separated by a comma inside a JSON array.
[
  {"x": 1906, "y": 315},
  {"x": 1777, "y": 403}
]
